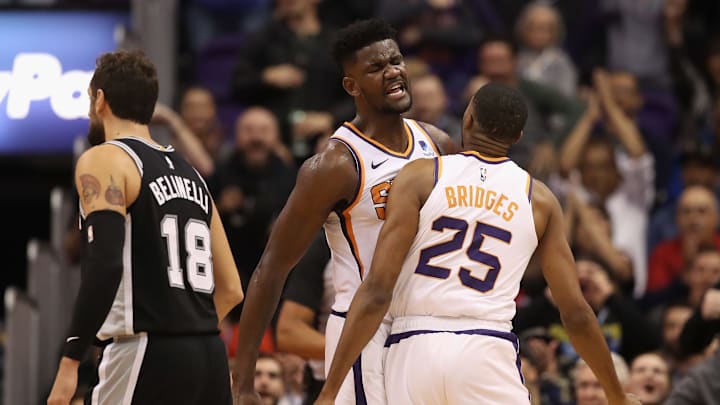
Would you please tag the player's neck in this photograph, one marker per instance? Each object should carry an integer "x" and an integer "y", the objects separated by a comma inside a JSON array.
[
  {"x": 487, "y": 146},
  {"x": 118, "y": 128},
  {"x": 388, "y": 129}
]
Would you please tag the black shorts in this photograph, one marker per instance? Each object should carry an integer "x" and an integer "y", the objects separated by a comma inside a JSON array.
[{"x": 143, "y": 369}]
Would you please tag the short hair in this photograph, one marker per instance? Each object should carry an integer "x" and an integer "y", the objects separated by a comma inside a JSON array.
[
  {"x": 500, "y": 111},
  {"x": 522, "y": 20},
  {"x": 621, "y": 368},
  {"x": 358, "y": 35},
  {"x": 129, "y": 82}
]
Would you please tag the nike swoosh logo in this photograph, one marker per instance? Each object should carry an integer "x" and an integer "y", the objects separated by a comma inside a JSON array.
[
  {"x": 375, "y": 166},
  {"x": 71, "y": 338}
]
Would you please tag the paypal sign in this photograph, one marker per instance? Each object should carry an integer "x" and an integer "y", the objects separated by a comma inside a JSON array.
[{"x": 46, "y": 65}]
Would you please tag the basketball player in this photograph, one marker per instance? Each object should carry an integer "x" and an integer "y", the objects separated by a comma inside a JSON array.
[
  {"x": 345, "y": 188},
  {"x": 459, "y": 233},
  {"x": 157, "y": 272}
]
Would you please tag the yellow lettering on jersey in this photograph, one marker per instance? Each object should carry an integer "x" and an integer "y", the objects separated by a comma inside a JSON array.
[
  {"x": 462, "y": 196},
  {"x": 450, "y": 195},
  {"x": 478, "y": 197}
]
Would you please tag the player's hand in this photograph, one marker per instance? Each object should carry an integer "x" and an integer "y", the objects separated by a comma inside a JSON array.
[
  {"x": 285, "y": 76},
  {"x": 247, "y": 398},
  {"x": 65, "y": 384},
  {"x": 630, "y": 399}
]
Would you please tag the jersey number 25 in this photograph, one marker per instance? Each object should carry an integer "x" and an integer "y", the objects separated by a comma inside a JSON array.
[{"x": 473, "y": 252}]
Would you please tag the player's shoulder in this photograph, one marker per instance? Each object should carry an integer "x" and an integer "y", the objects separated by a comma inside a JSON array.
[
  {"x": 543, "y": 199},
  {"x": 335, "y": 163},
  {"x": 440, "y": 137},
  {"x": 105, "y": 157}
]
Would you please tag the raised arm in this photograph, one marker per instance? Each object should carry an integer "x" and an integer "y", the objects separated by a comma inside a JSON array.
[
  {"x": 575, "y": 142},
  {"x": 107, "y": 182},
  {"x": 323, "y": 182},
  {"x": 187, "y": 140},
  {"x": 228, "y": 289},
  {"x": 625, "y": 129},
  {"x": 559, "y": 270},
  {"x": 372, "y": 300}
]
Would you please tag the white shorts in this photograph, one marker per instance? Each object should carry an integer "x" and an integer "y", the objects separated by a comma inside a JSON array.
[
  {"x": 364, "y": 384},
  {"x": 478, "y": 367}
]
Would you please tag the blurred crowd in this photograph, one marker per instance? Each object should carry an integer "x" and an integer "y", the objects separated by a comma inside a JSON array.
[{"x": 624, "y": 126}]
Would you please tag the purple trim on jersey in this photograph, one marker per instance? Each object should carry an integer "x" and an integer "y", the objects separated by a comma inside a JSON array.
[
  {"x": 509, "y": 336},
  {"x": 338, "y": 313},
  {"x": 530, "y": 189},
  {"x": 358, "y": 167},
  {"x": 435, "y": 174},
  {"x": 355, "y": 255},
  {"x": 490, "y": 162},
  {"x": 357, "y": 377},
  {"x": 395, "y": 154}
]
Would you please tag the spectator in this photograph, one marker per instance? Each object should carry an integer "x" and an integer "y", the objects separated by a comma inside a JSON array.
[
  {"x": 704, "y": 325},
  {"x": 619, "y": 179},
  {"x": 673, "y": 320},
  {"x": 549, "y": 382},
  {"x": 199, "y": 112},
  {"x": 196, "y": 130},
  {"x": 252, "y": 187},
  {"x": 700, "y": 386},
  {"x": 286, "y": 68},
  {"x": 269, "y": 379},
  {"x": 430, "y": 104},
  {"x": 626, "y": 329},
  {"x": 591, "y": 234},
  {"x": 540, "y": 31},
  {"x": 635, "y": 40},
  {"x": 588, "y": 390},
  {"x": 697, "y": 220},
  {"x": 702, "y": 275},
  {"x": 438, "y": 31},
  {"x": 551, "y": 115},
  {"x": 650, "y": 378},
  {"x": 698, "y": 167},
  {"x": 307, "y": 301}
]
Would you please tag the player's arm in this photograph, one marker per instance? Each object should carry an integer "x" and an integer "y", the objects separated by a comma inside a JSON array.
[
  {"x": 323, "y": 181},
  {"x": 441, "y": 138},
  {"x": 558, "y": 267},
  {"x": 107, "y": 181},
  {"x": 372, "y": 300},
  {"x": 296, "y": 334},
  {"x": 228, "y": 289}
]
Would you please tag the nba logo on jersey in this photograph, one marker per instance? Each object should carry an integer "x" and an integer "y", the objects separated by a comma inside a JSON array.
[
  {"x": 170, "y": 163},
  {"x": 90, "y": 234},
  {"x": 426, "y": 149},
  {"x": 483, "y": 174}
]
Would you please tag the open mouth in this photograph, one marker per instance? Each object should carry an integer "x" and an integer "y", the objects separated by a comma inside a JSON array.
[{"x": 396, "y": 90}]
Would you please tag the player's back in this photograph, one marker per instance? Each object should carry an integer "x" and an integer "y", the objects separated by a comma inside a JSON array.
[
  {"x": 475, "y": 238},
  {"x": 167, "y": 281}
]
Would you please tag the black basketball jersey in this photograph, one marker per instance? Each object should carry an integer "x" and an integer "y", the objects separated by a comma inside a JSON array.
[{"x": 167, "y": 281}]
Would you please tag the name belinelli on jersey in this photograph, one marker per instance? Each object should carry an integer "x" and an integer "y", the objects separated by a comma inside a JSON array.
[{"x": 167, "y": 188}]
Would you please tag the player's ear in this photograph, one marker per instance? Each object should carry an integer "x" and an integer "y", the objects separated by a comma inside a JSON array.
[
  {"x": 351, "y": 86},
  {"x": 100, "y": 102},
  {"x": 518, "y": 137}
]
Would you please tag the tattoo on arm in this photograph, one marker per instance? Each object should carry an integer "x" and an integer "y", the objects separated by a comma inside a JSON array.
[
  {"x": 90, "y": 187},
  {"x": 114, "y": 195}
]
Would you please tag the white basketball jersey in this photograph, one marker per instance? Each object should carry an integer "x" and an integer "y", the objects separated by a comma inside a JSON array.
[
  {"x": 475, "y": 238},
  {"x": 353, "y": 232}
]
